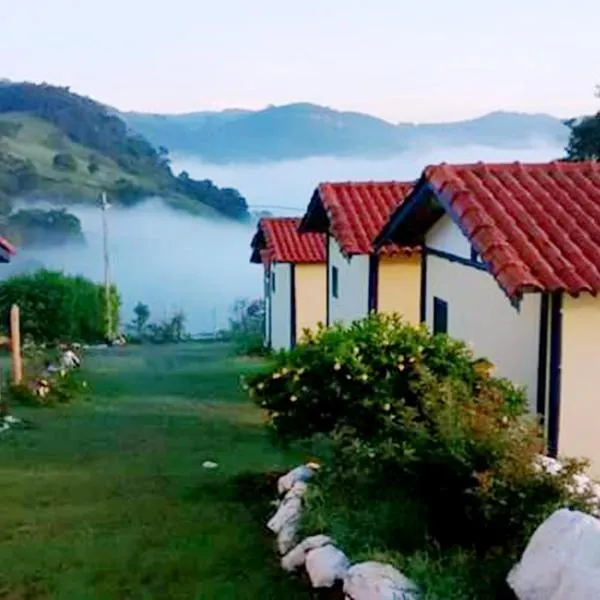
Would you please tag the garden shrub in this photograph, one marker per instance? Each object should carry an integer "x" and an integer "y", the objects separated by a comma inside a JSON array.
[{"x": 416, "y": 418}]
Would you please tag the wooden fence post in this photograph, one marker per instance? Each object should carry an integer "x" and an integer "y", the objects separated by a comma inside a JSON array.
[{"x": 15, "y": 344}]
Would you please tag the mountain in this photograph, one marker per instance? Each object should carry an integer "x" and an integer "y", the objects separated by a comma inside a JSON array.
[
  {"x": 57, "y": 144},
  {"x": 303, "y": 130}
]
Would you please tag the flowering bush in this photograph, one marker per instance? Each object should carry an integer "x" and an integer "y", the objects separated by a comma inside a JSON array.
[
  {"x": 409, "y": 412},
  {"x": 358, "y": 376}
]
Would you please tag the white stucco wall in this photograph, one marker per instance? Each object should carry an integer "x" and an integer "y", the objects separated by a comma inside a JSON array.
[
  {"x": 580, "y": 380},
  {"x": 281, "y": 307},
  {"x": 447, "y": 237},
  {"x": 480, "y": 313},
  {"x": 267, "y": 295},
  {"x": 353, "y": 282}
]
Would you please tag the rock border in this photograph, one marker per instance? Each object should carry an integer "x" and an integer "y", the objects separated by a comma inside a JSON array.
[{"x": 319, "y": 559}]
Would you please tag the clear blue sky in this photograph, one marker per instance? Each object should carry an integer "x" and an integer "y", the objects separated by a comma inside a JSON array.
[{"x": 414, "y": 60}]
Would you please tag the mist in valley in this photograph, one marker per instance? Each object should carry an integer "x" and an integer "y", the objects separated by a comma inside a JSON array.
[{"x": 174, "y": 261}]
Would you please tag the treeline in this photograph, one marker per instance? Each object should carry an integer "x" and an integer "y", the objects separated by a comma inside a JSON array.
[{"x": 94, "y": 126}]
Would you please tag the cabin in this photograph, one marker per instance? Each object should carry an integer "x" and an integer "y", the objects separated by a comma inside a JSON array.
[
  {"x": 294, "y": 276},
  {"x": 360, "y": 280},
  {"x": 511, "y": 263}
]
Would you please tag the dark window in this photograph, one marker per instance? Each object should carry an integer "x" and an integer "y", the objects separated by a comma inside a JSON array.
[
  {"x": 474, "y": 256},
  {"x": 334, "y": 282},
  {"x": 273, "y": 281},
  {"x": 440, "y": 316}
]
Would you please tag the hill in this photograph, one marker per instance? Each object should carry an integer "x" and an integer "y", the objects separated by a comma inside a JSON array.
[
  {"x": 302, "y": 130},
  {"x": 57, "y": 144}
]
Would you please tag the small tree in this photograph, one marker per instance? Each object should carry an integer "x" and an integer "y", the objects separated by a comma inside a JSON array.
[
  {"x": 140, "y": 321},
  {"x": 93, "y": 164},
  {"x": 63, "y": 161},
  {"x": 584, "y": 141}
]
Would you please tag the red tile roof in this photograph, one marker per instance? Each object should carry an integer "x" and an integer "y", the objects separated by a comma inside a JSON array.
[
  {"x": 536, "y": 226},
  {"x": 356, "y": 212},
  {"x": 283, "y": 242},
  {"x": 6, "y": 245}
]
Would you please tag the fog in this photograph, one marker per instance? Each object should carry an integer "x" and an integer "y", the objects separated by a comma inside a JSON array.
[
  {"x": 290, "y": 184},
  {"x": 174, "y": 261}
]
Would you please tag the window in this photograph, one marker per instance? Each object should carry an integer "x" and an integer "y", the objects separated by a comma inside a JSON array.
[
  {"x": 273, "y": 281},
  {"x": 474, "y": 256},
  {"x": 334, "y": 282},
  {"x": 440, "y": 316}
]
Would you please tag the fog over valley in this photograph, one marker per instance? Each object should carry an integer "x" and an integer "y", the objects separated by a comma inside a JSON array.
[{"x": 172, "y": 261}]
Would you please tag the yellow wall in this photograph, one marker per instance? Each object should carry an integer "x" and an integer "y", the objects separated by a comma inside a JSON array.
[
  {"x": 399, "y": 286},
  {"x": 311, "y": 296},
  {"x": 579, "y": 433}
]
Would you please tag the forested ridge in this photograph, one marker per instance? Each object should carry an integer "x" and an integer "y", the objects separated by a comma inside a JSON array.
[{"x": 53, "y": 141}]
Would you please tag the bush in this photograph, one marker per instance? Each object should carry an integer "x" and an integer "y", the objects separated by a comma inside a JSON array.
[
  {"x": 63, "y": 161},
  {"x": 55, "y": 306},
  {"x": 416, "y": 421}
]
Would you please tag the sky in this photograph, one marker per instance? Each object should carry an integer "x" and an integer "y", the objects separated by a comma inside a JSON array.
[{"x": 403, "y": 60}]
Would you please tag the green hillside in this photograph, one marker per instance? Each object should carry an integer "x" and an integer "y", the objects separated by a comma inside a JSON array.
[{"x": 55, "y": 144}]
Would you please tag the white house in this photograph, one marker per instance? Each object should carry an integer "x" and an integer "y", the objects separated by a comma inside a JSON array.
[
  {"x": 294, "y": 275},
  {"x": 511, "y": 263},
  {"x": 360, "y": 280}
]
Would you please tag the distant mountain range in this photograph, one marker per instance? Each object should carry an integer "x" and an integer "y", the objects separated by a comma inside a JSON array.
[{"x": 304, "y": 130}]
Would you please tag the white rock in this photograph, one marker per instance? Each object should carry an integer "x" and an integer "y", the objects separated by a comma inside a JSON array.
[
  {"x": 209, "y": 464},
  {"x": 301, "y": 473},
  {"x": 378, "y": 581},
  {"x": 298, "y": 490},
  {"x": 561, "y": 561},
  {"x": 287, "y": 536},
  {"x": 326, "y": 565},
  {"x": 296, "y": 557},
  {"x": 287, "y": 511},
  {"x": 10, "y": 420}
]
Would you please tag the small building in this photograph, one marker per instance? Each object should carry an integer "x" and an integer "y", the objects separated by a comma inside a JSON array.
[
  {"x": 294, "y": 273},
  {"x": 511, "y": 263},
  {"x": 360, "y": 280}
]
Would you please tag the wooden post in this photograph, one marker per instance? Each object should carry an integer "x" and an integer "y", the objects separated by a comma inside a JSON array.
[{"x": 15, "y": 344}]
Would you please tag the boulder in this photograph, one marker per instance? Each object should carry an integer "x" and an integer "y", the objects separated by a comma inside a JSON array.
[
  {"x": 378, "y": 581},
  {"x": 561, "y": 561},
  {"x": 302, "y": 473},
  {"x": 326, "y": 565},
  {"x": 296, "y": 558},
  {"x": 288, "y": 511}
]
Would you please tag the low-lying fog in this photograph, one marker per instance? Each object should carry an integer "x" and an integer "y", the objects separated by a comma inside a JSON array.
[{"x": 172, "y": 261}]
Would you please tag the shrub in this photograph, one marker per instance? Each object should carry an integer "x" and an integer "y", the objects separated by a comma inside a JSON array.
[
  {"x": 350, "y": 376},
  {"x": 416, "y": 421},
  {"x": 63, "y": 161},
  {"x": 55, "y": 306}
]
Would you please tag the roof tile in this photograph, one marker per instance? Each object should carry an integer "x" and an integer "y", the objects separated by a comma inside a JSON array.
[
  {"x": 537, "y": 226},
  {"x": 283, "y": 243},
  {"x": 358, "y": 210}
]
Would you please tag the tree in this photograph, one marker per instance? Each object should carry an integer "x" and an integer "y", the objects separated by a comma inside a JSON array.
[
  {"x": 584, "y": 141},
  {"x": 63, "y": 161},
  {"x": 55, "y": 306},
  {"x": 140, "y": 321},
  {"x": 93, "y": 164}
]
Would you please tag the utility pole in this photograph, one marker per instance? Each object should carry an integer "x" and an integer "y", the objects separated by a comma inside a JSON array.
[{"x": 104, "y": 205}]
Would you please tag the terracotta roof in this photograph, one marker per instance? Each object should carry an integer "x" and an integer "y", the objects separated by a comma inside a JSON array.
[
  {"x": 536, "y": 226},
  {"x": 355, "y": 212},
  {"x": 8, "y": 248},
  {"x": 284, "y": 243}
]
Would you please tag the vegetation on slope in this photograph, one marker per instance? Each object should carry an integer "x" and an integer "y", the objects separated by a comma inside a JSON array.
[{"x": 59, "y": 144}]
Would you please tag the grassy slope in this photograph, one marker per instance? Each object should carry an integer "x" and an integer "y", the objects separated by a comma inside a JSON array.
[
  {"x": 110, "y": 500},
  {"x": 32, "y": 143}
]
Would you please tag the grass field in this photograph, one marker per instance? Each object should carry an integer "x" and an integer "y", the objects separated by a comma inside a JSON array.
[{"x": 109, "y": 499}]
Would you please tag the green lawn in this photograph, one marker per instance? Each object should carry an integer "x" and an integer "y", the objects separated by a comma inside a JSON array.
[{"x": 110, "y": 500}]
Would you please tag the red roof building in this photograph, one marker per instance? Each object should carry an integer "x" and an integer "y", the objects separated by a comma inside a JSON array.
[
  {"x": 280, "y": 241},
  {"x": 294, "y": 289},
  {"x": 511, "y": 257},
  {"x": 354, "y": 212},
  {"x": 361, "y": 280}
]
